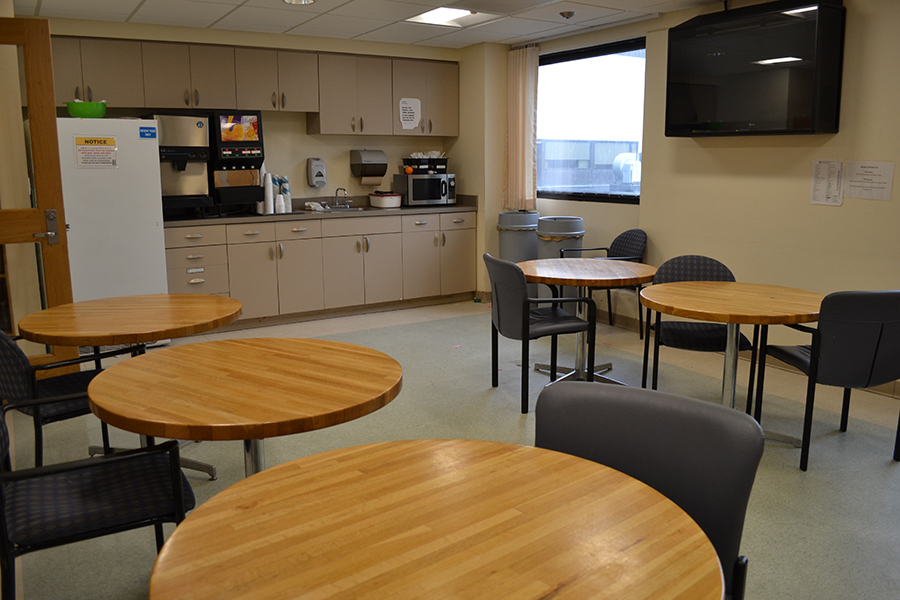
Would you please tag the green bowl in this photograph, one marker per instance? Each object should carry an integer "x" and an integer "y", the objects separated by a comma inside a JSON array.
[{"x": 86, "y": 110}]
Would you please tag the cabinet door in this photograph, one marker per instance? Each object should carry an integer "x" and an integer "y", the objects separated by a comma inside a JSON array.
[
  {"x": 457, "y": 261},
  {"x": 410, "y": 80},
  {"x": 298, "y": 81},
  {"x": 112, "y": 70},
  {"x": 344, "y": 275},
  {"x": 253, "y": 278},
  {"x": 256, "y": 78},
  {"x": 421, "y": 264},
  {"x": 300, "y": 276},
  {"x": 67, "y": 83},
  {"x": 374, "y": 95},
  {"x": 337, "y": 95},
  {"x": 212, "y": 77},
  {"x": 167, "y": 74},
  {"x": 383, "y": 267},
  {"x": 443, "y": 99}
]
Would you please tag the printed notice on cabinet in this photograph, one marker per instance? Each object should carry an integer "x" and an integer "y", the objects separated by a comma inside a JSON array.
[
  {"x": 96, "y": 152},
  {"x": 410, "y": 112},
  {"x": 826, "y": 182},
  {"x": 870, "y": 180}
]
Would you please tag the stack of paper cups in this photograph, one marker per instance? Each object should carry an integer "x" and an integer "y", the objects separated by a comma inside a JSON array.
[
  {"x": 286, "y": 192},
  {"x": 268, "y": 198},
  {"x": 279, "y": 204}
]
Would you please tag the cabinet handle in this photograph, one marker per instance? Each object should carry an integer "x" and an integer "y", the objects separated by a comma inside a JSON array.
[
  {"x": 283, "y": 100},
  {"x": 430, "y": 126},
  {"x": 358, "y": 246},
  {"x": 187, "y": 97},
  {"x": 194, "y": 256},
  {"x": 353, "y": 124},
  {"x": 271, "y": 253},
  {"x": 436, "y": 239},
  {"x": 421, "y": 222},
  {"x": 443, "y": 239},
  {"x": 281, "y": 248},
  {"x": 196, "y": 97},
  {"x": 251, "y": 232},
  {"x": 193, "y": 236},
  {"x": 459, "y": 220},
  {"x": 366, "y": 242},
  {"x": 78, "y": 92},
  {"x": 196, "y": 280},
  {"x": 90, "y": 94},
  {"x": 362, "y": 126},
  {"x": 274, "y": 99},
  {"x": 298, "y": 229}
]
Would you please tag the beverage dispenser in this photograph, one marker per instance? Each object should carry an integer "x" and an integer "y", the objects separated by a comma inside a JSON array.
[
  {"x": 236, "y": 158},
  {"x": 183, "y": 162}
]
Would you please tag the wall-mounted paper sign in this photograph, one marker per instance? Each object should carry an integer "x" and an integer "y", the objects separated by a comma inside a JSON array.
[
  {"x": 96, "y": 152},
  {"x": 826, "y": 182},
  {"x": 870, "y": 180},
  {"x": 410, "y": 112}
]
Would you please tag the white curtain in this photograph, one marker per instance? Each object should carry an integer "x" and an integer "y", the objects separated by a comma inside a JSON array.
[{"x": 521, "y": 129}]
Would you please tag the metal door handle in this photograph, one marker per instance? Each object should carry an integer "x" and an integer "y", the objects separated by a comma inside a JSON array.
[
  {"x": 430, "y": 126},
  {"x": 187, "y": 97},
  {"x": 281, "y": 248},
  {"x": 271, "y": 253},
  {"x": 78, "y": 92},
  {"x": 366, "y": 242},
  {"x": 298, "y": 229},
  {"x": 283, "y": 100},
  {"x": 196, "y": 281},
  {"x": 353, "y": 124},
  {"x": 358, "y": 246},
  {"x": 443, "y": 239},
  {"x": 194, "y": 256},
  {"x": 251, "y": 232},
  {"x": 274, "y": 99},
  {"x": 436, "y": 240},
  {"x": 196, "y": 97},
  {"x": 421, "y": 222},
  {"x": 362, "y": 125},
  {"x": 90, "y": 94},
  {"x": 459, "y": 220},
  {"x": 193, "y": 236}
]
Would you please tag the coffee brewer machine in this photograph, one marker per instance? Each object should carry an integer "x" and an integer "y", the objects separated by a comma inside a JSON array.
[
  {"x": 183, "y": 160},
  {"x": 235, "y": 160}
]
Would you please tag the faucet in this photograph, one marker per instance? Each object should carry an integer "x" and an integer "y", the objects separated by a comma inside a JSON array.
[{"x": 337, "y": 203}]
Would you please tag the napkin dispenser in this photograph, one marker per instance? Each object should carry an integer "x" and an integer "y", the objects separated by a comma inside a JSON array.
[{"x": 369, "y": 165}]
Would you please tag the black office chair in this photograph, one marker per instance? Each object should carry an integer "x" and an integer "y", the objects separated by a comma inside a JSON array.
[
  {"x": 692, "y": 335},
  {"x": 513, "y": 316},
  {"x": 856, "y": 345},
  {"x": 700, "y": 455},
  {"x": 59, "y": 504},
  {"x": 629, "y": 245},
  {"x": 19, "y": 383}
]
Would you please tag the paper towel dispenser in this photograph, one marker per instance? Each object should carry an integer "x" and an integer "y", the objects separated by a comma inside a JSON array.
[{"x": 368, "y": 163}]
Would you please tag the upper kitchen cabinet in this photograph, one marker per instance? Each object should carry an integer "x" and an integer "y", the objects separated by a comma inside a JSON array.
[
  {"x": 355, "y": 96},
  {"x": 436, "y": 87},
  {"x": 94, "y": 69},
  {"x": 188, "y": 75},
  {"x": 276, "y": 80}
]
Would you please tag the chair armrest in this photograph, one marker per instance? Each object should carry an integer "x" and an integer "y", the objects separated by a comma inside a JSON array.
[
  {"x": 41, "y": 401},
  {"x": 804, "y": 328},
  {"x": 84, "y": 359},
  {"x": 169, "y": 447},
  {"x": 562, "y": 251},
  {"x": 628, "y": 258}
]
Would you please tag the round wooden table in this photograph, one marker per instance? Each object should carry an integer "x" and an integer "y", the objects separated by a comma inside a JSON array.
[
  {"x": 585, "y": 273},
  {"x": 129, "y": 319},
  {"x": 244, "y": 389},
  {"x": 735, "y": 303},
  {"x": 438, "y": 519}
]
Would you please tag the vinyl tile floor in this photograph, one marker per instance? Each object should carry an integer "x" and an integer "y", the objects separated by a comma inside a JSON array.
[{"x": 831, "y": 533}]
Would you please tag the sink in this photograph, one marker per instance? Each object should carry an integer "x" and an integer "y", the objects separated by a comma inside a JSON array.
[{"x": 348, "y": 208}]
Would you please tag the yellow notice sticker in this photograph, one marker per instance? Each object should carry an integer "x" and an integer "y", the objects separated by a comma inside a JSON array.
[{"x": 96, "y": 152}]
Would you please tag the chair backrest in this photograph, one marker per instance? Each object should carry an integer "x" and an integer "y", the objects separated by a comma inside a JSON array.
[
  {"x": 702, "y": 456},
  {"x": 859, "y": 335},
  {"x": 631, "y": 243},
  {"x": 692, "y": 267},
  {"x": 15, "y": 371},
  {"x": 508, "y": 293}
]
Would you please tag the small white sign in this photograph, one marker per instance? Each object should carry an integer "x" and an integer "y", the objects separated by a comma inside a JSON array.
[
  {"x": 96, "y": 152},
  {"x": 826, "y": 182},
  {"x": 410, "y": 112},
  {"x": 870, "y": 180}
]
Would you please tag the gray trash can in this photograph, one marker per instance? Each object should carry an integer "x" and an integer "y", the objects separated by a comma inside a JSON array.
[
  {"x": 518, "y": 240},
  {"x": 554, "y": 233}
]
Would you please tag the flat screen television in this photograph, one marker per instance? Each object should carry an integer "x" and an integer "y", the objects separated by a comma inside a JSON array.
[{"x": 768, "y": 69}]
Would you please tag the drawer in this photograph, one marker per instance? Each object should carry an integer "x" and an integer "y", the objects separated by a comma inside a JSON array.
[
  {"x": 250, "y": 232},
  {"x": 199, "y": 235},
  {"x": 421, "y": 223},
  {"x": 360, "y": 226},
  {"x": 198, "y": 280},
  {"x": 203, "y": 256},
  {"x": 457, "y": 221},
  {"x": 298, "y": 230}
]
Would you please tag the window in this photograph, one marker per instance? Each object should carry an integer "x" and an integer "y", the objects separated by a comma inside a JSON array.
[{"x": 590, "y": 123}]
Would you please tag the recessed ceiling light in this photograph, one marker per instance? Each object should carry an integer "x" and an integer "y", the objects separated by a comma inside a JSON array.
[
  {"x": 441, "y": 16},
  {"x": 775, "y": 61},
  {"x": 299, "y": 1}
]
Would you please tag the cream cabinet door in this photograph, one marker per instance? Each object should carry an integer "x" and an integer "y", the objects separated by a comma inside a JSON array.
[
  {"x": 337, "y": 96},
  {"x": 458, "y": 261},
  {"x": 421, "y": 264},
  {"x": 300, "y": 276},
  {"x": 374, "y": 95},
  {"x": 410, "y": 81},
  {"x": 443, "y": 99},
  {"x": 167, "y": 74},
  {"x": 383, "y": 267},
  {"x": 253, "y": 278},
  {"x": 212, "y": 77},
  {"x": 344, "y": 275},
  {"x": 112, "y": 70},
  {"x": 298, "y": 81},
  {"x": 67, "y": 82},
  {"x": 256, "y": 78}
]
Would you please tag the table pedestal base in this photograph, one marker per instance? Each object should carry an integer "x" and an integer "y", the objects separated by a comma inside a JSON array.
[
  {"x": 563, "y": 373},
  {"x": 254, "y": 456},
  {"x": 187, "y": 463}
]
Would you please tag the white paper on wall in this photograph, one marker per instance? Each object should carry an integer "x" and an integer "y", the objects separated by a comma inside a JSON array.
[
  {"x": 870, "y": 180},
  {"x": 826, "y": 184},
  {"x": 410, "y": 112}
]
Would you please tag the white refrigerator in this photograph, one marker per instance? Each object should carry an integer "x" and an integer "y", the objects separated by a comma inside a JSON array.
[{"x": 113, "y": 207}]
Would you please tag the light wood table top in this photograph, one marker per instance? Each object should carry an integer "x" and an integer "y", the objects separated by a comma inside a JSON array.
[
  {"x": 244, "y": 388},
  {"x": 734, "y": 302},
  {"x": 129, "y": 319},
  {"x": 438, "y": 519},
  {"x": 587, "y": 272}
]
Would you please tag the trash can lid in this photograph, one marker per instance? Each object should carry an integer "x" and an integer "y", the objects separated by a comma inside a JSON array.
[
  {"x": 520, "y": 220},
  {"x": 560, "y": 226}
]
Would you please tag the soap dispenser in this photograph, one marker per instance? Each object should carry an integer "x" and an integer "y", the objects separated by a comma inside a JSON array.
[{"x": 315, "y": 172}]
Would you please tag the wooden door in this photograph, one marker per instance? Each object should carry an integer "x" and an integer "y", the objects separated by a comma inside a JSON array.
[{"x": 25, "y": 215}]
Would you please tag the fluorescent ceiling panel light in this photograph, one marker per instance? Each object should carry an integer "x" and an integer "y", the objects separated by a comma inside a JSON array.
[
  {"x": 441, "y": 16},
  {"x": 798, "y": 11},
  {"x": 775, "y": 61},
  {"x": 299, "y": 1}
]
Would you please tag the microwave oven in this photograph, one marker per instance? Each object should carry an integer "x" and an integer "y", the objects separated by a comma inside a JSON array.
[{"x": 421, "y": 190}]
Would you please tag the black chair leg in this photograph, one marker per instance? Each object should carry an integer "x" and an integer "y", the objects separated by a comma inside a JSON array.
[
  {"x": 640, "y": 313},
  {"x": 554, "y": 347},
  {"x": 739, "y": 578},
  {"x": 897, "y": 443},
  {"x": 656, "y": 351},
  {"x": 104, "y": 431},
  {"x": 160, "y": 540},
  {"x": 754, "y": 350},
  {"x": 845, "y": 409},
  {"x": 494, "y": 360},
  {"x": 646, "y": 352},
  {"x": 609, "y": 314},
  {"x": 38, "y": 438},
  {"x": 525, "y": 376},
  {"x": 592, "y": 341},
  {"x": 8, "y": 575},
  {"x": 760, "y": 379},
  {"x": 807, "y": 423}
]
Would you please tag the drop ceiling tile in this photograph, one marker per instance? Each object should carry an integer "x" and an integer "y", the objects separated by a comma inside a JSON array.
[
  {"x": 25, "y": 8},
  {"x": 461, "y": 39},
  {"x": 583, "y": 12},
  {"x": 404, "y": 33},
  {"x": 264, "y": 20},
  {"x": 336, "y": 26},
  {"x": 100, "y": 10},
  {"x": 379, "y": 9},
  {"x": 184, "y": 13},
  {"x": 514, "y": 26},
  {"x": 319, "y": 6}
]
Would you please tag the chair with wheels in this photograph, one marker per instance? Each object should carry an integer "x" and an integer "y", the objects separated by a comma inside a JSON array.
[
  {"x": 49, "y": 506},
  {"x": 702, "y": 456},
  {"x": 856, "y": 345},
  {"x": 691, "y": 335},
  {"x": 629, "y": 245},
  {"x": 516, "y": 316}
]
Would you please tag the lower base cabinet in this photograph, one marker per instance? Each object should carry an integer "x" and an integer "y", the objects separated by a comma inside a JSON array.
[{"x": 363, "y": 269}]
